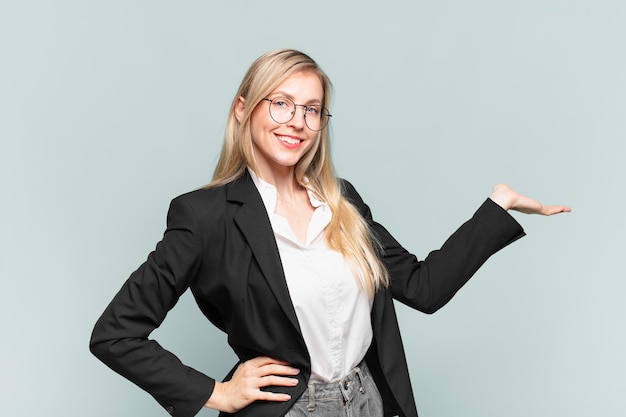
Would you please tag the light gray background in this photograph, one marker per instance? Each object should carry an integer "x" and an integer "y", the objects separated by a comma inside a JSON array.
[{"x": 110, "y": 109}]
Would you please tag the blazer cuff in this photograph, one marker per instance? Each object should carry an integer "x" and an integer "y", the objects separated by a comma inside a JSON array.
[
  {"x": 500, "y": 219},
  {"x": 199, "y": 391}
]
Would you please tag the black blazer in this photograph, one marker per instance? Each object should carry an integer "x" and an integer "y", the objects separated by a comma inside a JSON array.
[{"x": 219, "y": 242}]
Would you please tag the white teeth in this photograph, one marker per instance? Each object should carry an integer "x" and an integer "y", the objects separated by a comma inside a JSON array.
[{"x": 287, "y": 139}]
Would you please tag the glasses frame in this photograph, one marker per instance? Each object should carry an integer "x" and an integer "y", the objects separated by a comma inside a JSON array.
[{"x": 322, "y": 111}]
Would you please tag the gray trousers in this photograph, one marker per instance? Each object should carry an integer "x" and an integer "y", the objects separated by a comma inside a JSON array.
[{"x": 355, "y": 395}]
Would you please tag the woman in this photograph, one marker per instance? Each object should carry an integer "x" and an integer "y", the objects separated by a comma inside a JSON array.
[{"x": 286, "y": 259}]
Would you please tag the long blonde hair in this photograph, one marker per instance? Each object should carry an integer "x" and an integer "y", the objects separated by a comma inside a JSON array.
[{"x": 347, "y": 233}]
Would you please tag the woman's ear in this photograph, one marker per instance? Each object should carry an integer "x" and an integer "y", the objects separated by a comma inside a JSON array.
[{"x": 240, "y": 106}]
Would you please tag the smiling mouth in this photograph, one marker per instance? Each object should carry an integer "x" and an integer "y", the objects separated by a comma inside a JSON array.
[{"x": 289, "y": 140}]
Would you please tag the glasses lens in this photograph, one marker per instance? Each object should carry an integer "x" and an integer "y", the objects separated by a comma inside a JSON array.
[
  {"x": 282, "y": 109},
  {"x": 316, "y": 118},
  {"x": 313, "y": 117}
]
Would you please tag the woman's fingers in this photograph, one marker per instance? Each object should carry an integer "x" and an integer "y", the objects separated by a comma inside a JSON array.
[
  {"x": 262, "y": 366},
  {"x": 550, "y": 210},
  {"x": 270, "y": 380},
  {"x": 265, "y": 360}
]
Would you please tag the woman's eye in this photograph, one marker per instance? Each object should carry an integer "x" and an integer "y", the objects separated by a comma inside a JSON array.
[
  {"x": 313, "y": 111},
  {"x": 280, "y": 103}
]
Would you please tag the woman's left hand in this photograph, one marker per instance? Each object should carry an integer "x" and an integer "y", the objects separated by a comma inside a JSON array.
[{"x": 509, "y": 199}]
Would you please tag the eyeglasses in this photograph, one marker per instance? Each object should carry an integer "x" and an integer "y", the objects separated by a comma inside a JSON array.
[{"x": 282, "y": 110}]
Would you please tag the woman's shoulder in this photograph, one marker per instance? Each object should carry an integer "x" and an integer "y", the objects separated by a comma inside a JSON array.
[
  {"x": 201, "y": 195},
  {"x": 201, "y": 201},
  {"x": 349, "y": 191},
  {"x": 215, "y": 196}
]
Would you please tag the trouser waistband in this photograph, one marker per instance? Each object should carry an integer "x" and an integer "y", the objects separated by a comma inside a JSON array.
[{"x": 346, "y": 388}]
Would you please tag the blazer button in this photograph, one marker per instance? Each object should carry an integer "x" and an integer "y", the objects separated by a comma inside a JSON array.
[{"x": 170, "y": 409}]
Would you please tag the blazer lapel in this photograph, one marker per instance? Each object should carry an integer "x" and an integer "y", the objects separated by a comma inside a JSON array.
[{"x": 252, "y": 220}]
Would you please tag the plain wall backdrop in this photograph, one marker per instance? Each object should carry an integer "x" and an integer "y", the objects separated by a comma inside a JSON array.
[{"x": 110, "y": 109}]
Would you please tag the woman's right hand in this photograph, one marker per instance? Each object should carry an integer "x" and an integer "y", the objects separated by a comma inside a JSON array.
[
  {"x": 509, "y": 199},
  {"x": 244, "y": 387}
]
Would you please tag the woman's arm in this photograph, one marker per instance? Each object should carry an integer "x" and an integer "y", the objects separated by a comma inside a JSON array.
[
  {"x": 427, "y": 285},
  {"x": 120, "y": 337}
]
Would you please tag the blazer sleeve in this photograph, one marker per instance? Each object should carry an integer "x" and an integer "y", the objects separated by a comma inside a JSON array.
[
  {"x": 120, "y": 337},
  {"x": 427, "y": 285}
]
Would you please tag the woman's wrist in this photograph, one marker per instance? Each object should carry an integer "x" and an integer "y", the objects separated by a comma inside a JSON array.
[
  {"x": 502, "y": 196},
  {"x": 216, "y": 399}
]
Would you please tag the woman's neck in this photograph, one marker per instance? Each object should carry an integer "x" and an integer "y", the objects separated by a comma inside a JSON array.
[{"x": 283, "y": 180}]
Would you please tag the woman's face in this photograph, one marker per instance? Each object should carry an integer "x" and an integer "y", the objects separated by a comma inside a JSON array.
[{"x": 278, "y": 147}]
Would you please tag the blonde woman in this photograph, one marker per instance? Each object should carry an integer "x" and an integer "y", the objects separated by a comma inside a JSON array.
[{"x": 287, "y": 260}]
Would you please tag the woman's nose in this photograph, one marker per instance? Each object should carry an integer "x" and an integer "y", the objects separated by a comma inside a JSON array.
[{"x": 297, "y": 121}]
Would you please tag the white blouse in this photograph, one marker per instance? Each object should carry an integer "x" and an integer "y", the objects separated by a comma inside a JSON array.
[{"x": 332, "y": 309}]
